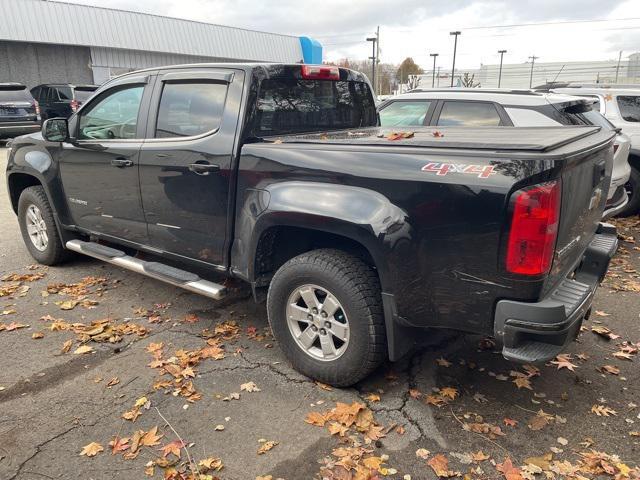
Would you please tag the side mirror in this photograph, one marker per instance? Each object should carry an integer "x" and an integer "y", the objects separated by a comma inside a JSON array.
[{"x": 55, "y": 130}]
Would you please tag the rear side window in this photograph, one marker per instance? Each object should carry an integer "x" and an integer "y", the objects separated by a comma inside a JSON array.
[
  {"x": 83, "y": 95},
  {"x": 188, "y": 109},
  {"x": 287, "y": 106},
  {"x": 64, "y": 93},
  {"x": 629, "y": 107},
  {"x": 15, "y": 94},
  {"x": 404, "y": 114},
  {"x": 469, "y": 114}
]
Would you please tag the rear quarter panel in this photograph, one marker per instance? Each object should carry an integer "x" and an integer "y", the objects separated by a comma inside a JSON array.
[{"x": 434, "y": 232}]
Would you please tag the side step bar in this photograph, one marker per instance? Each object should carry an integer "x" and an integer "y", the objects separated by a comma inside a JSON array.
[{"x": 174, "y": 276}]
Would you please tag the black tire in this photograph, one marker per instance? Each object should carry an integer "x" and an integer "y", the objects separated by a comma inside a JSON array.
[
  {"x": 357, "y": 288},
  {"x": 633, "y": 189},
  {"x": 54, "y": 252}
]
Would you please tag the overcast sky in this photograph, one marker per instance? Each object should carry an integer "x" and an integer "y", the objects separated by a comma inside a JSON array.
[{"x": 416, "y": 28}]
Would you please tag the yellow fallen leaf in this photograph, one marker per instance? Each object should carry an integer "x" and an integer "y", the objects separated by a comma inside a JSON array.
[
  {"x": 83, "y": 349},
  {"x": 92, "y": 449}
]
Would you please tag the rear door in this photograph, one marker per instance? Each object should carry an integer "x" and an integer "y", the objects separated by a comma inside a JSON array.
[
  {"x": 470, "y": 113},
  {"x": 186, "y": 161}
]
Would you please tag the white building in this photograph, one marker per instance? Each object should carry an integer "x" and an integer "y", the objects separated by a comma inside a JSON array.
[{"x": 518, "y": 75}]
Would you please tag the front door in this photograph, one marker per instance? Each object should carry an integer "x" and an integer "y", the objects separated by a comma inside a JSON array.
[
  {"x": 99, "y": 166},
  {"x": 186, "y": 163}
]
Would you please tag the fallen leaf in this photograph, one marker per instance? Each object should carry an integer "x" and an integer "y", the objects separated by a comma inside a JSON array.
[
  {"x": 316, "y": 418},
  {"x": 211, "y": 463},
  {"x": 509, "y": 422},
  {"x": 119, "y": 445},
  {"x": 611, "y": 369},
  {"x": 249, "y": 387},
  {"x": 151, "y": 438},
  {"x": 83, "y": 349},
  {"x": 92, "y": 449},
  {"x": 372, "y": 397},
  {"x": 66, "y": 346},
  {"x": 443, "y": 362},
  {"x": 523, "y": 382},
  {"x": 564, "y": 361},
  {"x": 508, "y": 470},
  {"x": 266, "y": 446},
  {"x": 37, "y": 335},
  {"x": 449, "y": 392},
  {"x": 603, "y": 411},
  {"x": 172, "y": 448},
  {"x": 440, "y": 465},
  {"x": 423, "y": 453}
]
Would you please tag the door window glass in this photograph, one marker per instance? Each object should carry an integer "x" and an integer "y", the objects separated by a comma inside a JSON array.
[
  {"x": 629, "y": 107},
  {"x": 190, "y": 108},
  {"x": 469, "y": 114},
  {"x": 404, "y": 114},
  {"x": 114, "y": 116},
  {"x": 64, "y": 93}
]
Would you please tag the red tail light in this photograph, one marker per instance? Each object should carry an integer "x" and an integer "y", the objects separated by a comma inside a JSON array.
[
  {"x": 320, "y": 72},
  {"x": 74, "y": 105},
  {"x": 36, "y": 106},
  {"x": 534, "y": 229}
]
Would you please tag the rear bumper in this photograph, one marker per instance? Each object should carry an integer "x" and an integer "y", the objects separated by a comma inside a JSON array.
[
  {"x": 14, "y": 129},
  {"x": 616, "y": 204},
  {"x": 537, "y": 332}
]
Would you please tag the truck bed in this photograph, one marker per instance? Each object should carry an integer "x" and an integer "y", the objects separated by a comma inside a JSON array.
[{"x": 538, "y": 139}]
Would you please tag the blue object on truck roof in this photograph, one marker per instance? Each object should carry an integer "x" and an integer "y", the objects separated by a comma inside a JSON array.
[{"x": 311, "y": 50}]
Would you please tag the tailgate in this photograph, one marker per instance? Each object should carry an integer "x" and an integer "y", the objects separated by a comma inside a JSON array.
[
  {"x": 585, "y": 183},
  {"x": 17, "y": 111}
]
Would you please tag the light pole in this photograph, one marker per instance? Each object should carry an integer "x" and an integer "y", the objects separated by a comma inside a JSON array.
[
  {"x": 533, "y": 61},
  {"x": 501, "y": 52},
  {"x": 374, "y": 40},
  {"x": 455, "y": 46},
  {"x": 433, "y": 74}
]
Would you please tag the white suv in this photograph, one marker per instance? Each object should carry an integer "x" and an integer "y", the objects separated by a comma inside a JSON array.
[
  {"x": 509, "y": 108},
  {"x": 621, "y": 106}
]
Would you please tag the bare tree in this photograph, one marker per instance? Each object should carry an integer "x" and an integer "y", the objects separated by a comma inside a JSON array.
[{"x": 469, "y": 80}]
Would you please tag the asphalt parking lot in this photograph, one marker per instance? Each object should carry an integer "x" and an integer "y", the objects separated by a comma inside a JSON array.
[{"x": 86, "y": 343}]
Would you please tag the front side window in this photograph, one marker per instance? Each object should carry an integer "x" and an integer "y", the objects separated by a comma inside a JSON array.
[
  {"x": 629, "y": 106},
  {"x": 114, "y": 116},
  {"x": 469, "y": 114},
  {"x": 64, "y": 93},
  {"x": 404, "y": 114},
  {"x": 190, "y": 108}
]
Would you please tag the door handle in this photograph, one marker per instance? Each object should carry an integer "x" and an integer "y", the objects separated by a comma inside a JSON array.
[
  {"x": 204, "y": 168},
  {"x": 121, "y": 162}
]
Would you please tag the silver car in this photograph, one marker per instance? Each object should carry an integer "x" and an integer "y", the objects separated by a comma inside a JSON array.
[{"x": 509, "y": 108}]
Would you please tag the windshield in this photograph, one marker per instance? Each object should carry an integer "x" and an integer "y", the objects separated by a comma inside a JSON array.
[{"x": 288, "y": 106}]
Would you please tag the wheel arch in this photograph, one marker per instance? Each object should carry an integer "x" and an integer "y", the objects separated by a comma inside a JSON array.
[{"x": 17, "y": 182}]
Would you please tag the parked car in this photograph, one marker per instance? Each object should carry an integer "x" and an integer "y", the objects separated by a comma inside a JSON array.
[
  {"x": 519, "y": 108},
  {"x": 61, "y": 100},
  {"x": 279, "y": 175},
  {"x": 19, "y": 112},
  {"x": 621, "y": 106}
]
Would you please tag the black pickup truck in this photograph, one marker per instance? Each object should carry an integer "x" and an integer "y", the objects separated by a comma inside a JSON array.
[{"x": 279, "y": 175}]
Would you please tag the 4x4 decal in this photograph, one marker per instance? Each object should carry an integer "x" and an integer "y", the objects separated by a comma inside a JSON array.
[{"x": 439, "y": 168}]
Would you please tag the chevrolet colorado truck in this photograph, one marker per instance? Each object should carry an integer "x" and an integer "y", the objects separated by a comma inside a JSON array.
[{"x": 360, "y": 239}]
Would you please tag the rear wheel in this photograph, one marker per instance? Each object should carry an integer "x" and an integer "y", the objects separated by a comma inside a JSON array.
[
  {"x": 633, "y": 191},
  {"x": 38, "y": 227},
  {"x": 325, "y": 311}
]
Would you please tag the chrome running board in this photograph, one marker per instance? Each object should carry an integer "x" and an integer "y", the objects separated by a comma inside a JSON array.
[{"x": 159, "y": 271}]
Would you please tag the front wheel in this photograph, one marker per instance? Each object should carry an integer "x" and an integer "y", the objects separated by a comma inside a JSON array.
[
  {"x": 325, "y": 311},
  {"x": 38, "y": 227}
]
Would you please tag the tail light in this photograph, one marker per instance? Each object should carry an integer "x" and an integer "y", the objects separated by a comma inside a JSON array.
[
  {"x": 320, "y": 72},
  {"x": 74, "y": 105},
  {"x": 534, "y": 228},
  {"x": 36, "y": 107}
]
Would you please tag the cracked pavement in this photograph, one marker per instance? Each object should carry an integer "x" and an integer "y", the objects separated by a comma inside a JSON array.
[{"x": 53, "y": 404}]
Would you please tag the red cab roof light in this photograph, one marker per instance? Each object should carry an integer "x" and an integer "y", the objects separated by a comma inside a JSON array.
[
  {"x": 320, "y": 72},
  {"x": 534, "y": 229}
]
